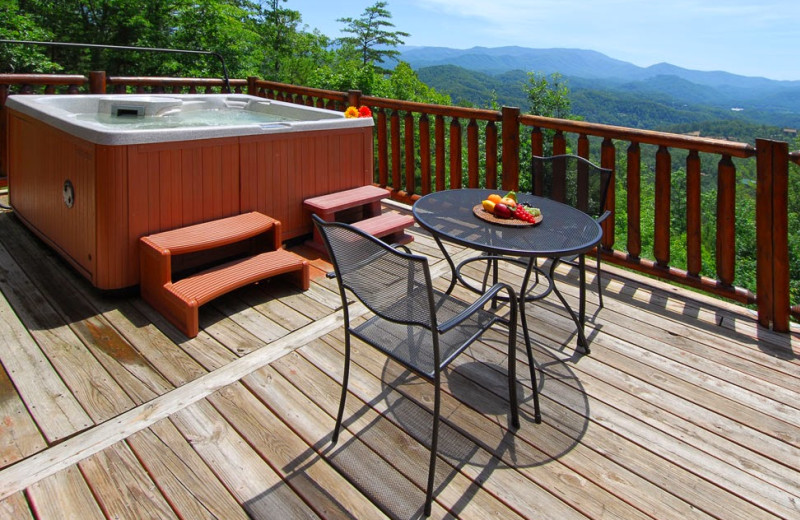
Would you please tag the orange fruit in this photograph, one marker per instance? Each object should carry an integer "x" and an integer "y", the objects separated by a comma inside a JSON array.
[
  {"x": 488, "y": 206},
  {"x": 494, "y": 197}
]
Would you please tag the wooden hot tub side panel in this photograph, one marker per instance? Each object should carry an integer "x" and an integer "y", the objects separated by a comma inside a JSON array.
[
  {"x": 113, "y": 266},
  {"x": 279, "y": 172},
  {"x": 43, "y": 159},
  {"x": 172, "y": 185}
]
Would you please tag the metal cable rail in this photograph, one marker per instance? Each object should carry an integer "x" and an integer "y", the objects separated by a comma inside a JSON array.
[{"x": 129, "y": 48}]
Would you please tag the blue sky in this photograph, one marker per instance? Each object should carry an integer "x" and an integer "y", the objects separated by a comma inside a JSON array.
[{"x": 752, "y": 38}]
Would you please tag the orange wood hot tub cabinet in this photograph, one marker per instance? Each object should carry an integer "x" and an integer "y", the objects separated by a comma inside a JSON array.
[{"x": 125, "y": 192}]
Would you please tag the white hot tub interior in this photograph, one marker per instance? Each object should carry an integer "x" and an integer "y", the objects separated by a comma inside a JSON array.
[{"x": 135, "y": 119}]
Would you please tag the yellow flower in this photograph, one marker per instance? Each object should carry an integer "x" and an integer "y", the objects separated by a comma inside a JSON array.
[{"x": 351, "y": 112}]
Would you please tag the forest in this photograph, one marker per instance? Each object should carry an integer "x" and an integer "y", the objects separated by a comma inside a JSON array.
[{"x": 269, "y": 40}]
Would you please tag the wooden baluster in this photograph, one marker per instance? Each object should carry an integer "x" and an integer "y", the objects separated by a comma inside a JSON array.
[
  {"x": 559, "y": 143},
  {"x": 583, "y": 146},
  {"x": 583, "y": 174},
  {"x": 491, "y": 155},
  {"x": 634, "y": 181},
  {"x": 537, "y": 141},
  {"x": 439, "y": 143},
  {"x": 510, "y": 138},
  {"x": 383, "y": 149},
  {"x": 394, "y": 123},
  {"x": 192, "y": 89},
  {"x": 473, "y": 166},
  {"x": 49, "y": 89},
  {"x": 726, "y": 220},
  {"x": 410, "y": 156},
  {"x": 558, "y": 183},
  {"x": 693, "y": 223},
  {"x": 662, "y": 206},
  {"x": 140, "y": 89},
  {"x": 455, "y": 154},
  {"x": 608, "y": 157},
  {"x": 425, "y": 152}
]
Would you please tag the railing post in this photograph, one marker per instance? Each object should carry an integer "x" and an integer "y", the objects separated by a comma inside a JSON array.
[
  {"x": 97, "y": 82},
  {"x": 772, "y": 233},
  {"x": 354, "y": 98},
  {"x": 252, "y": 88},
  {"x": 510, "y": 148}
]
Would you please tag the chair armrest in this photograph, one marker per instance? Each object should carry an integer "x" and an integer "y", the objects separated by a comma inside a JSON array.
[
  {"x": 478, "y": 304},
  {"x": 604, "y": 216}
]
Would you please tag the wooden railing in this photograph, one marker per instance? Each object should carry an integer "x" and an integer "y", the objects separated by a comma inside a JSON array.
[{"x": 420, "y": 148}]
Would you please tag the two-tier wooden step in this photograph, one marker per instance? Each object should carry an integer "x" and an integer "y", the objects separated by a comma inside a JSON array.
[
  {"x": 362, "y": 208},
  {"x": 179, "y": 300}
]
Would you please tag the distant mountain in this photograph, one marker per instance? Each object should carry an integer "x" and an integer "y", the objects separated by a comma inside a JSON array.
[{"x": 503, "y": 70}]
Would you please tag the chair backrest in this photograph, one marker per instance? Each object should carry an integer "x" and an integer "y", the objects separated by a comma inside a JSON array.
[
  {"x": 573, "y": 180},
  {"x": 392, "y": 284}
]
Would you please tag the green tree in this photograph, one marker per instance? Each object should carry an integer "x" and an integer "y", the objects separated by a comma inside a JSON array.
[
  {"x": 278, "y": 27},
  {"x": 15, "y": 25},
  {"x": 371, "y": 37},
  {"x": 548, "y": 97}
]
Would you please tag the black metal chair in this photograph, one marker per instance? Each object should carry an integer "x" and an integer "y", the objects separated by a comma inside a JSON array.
[
  {"x": 576, "y": 181},
  {"x": 416, "y": 325}
]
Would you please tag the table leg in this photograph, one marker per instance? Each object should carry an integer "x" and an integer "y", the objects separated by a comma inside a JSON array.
[
  {"x": 526, "y": 335},
  {"x": 453, "y": 275},
  {"x": 578, "y": 320}
]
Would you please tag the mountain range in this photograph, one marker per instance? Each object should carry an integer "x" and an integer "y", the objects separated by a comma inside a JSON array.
[{"x": 468, "y": 75}]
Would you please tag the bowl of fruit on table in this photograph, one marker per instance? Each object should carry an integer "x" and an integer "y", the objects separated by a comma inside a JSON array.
[{"x": 506, "y": 211}]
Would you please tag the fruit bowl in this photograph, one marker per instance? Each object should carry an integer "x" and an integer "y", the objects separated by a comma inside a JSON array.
[{"x": 511, "y": 222}]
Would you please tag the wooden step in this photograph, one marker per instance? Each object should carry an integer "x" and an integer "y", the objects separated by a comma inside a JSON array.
[
  {"x": 212, "y": 283},
  {"x": 389, "y": 226},
  {"x": 178, "y": 301},
  {"x": 342, "y": 200},
  {"x": 188, "y": 294},
  {"x": 208, "y": 235}
]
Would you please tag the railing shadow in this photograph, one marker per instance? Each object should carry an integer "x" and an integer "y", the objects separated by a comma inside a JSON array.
[{"x": 777, "y": 345}]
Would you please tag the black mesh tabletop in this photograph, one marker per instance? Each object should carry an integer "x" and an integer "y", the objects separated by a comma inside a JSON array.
[{"x": 564, "y": 230}]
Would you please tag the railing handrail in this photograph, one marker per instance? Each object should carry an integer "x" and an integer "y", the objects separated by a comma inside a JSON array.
[{"x": 653, "y": 137}]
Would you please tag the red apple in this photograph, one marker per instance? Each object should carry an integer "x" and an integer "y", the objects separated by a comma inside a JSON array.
[{"x": 502, "y": 211}]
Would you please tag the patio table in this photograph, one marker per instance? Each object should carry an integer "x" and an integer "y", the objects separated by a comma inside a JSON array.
[{"x": 563, "y": 232}]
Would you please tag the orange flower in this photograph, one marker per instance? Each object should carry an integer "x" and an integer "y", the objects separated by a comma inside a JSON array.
[
  {"x": 351, "y": 112},
  {"x": 364, "y": 111}
]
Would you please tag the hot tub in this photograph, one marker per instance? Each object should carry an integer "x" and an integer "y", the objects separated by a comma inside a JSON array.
[{"x": 90, "y": 174}]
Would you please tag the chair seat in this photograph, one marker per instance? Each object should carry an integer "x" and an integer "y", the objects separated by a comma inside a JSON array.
[{"x": 411, "y": 344}]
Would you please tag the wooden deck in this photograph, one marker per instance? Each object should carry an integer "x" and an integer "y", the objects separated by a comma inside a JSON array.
[{"x": 684, "y": 409}]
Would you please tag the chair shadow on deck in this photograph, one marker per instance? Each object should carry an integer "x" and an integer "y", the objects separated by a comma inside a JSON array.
[{"x": 385, "y": 457}]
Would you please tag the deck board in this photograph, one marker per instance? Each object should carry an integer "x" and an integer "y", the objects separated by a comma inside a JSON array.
[{"x": 686, "y": 408}]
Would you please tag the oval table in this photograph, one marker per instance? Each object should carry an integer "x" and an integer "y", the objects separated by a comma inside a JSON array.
[{"x": 563, "y": 232}]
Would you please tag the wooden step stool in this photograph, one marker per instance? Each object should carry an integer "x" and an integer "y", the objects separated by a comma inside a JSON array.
[
  {"x": 362, "y": 208},
  {"x": 179, "y": 301}
]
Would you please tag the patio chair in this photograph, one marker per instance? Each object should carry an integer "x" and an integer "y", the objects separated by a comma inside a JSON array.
[
  {"x": 573, "y": 180},
  {"x": 414, "y": 324}
]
